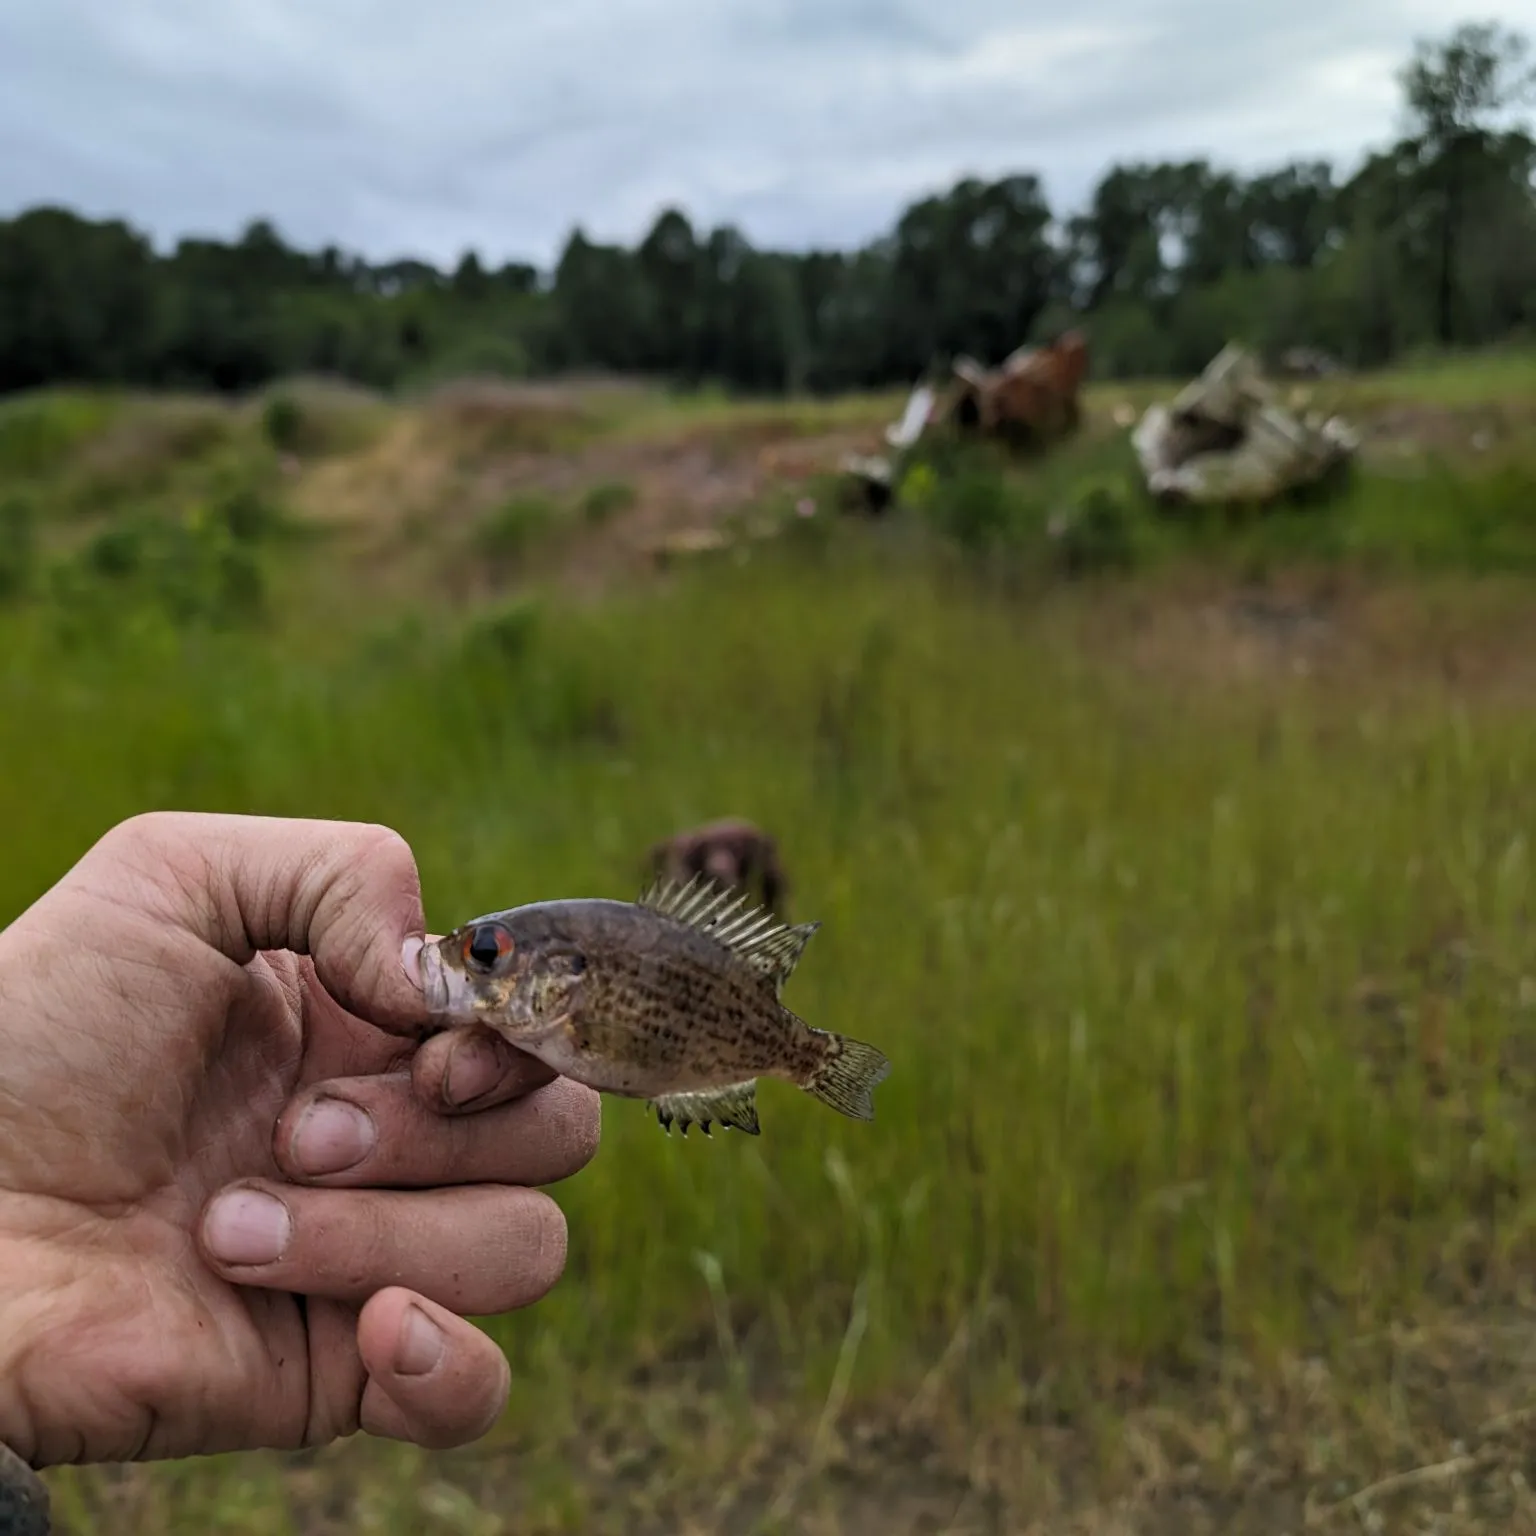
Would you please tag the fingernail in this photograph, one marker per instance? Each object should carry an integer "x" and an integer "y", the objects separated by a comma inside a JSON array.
[
  {"x": 410, "y": 958},
  {"x": 421, "y": 1344},
  {"x": 247, "y": 1226},
  {"x": 333, "y": 1135},
  {"x": 474, "y": 1068}
]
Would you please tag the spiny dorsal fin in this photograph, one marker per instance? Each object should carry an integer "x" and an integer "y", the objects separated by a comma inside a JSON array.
[
  {"x": 777, "y": 953},
  {"x": 699, "y": 902},
  {"x": 756, "y": 936}
]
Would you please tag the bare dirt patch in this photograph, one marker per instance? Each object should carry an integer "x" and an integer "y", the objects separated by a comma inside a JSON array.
[
  {"x": 1406, "y": 434},
  {"x": 1366, "y": 635},
  {"x": 410, "y": 504}
]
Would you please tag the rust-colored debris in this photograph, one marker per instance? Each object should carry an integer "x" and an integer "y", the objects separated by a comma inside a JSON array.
[{"x": 1031, "y": 399}]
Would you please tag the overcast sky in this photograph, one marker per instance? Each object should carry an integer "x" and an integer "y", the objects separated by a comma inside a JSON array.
[{"x": 399, "y": 127}]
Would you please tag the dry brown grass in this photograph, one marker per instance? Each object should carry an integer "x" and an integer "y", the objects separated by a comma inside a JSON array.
[{"x": 1420, "y": 1428}]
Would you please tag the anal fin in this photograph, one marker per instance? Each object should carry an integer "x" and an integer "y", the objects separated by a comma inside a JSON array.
[{"x": 734, "y": 1106}]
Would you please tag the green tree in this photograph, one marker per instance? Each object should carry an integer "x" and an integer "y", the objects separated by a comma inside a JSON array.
[
  {"x": 1433, "y": 239},
  {"x": 668, "y": 267},
  {"x": 600, "y": 319},
  {"x": 1458, "y": 91}
]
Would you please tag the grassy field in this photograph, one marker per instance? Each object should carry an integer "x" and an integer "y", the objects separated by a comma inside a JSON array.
[{"x": 1203, "y": 954}]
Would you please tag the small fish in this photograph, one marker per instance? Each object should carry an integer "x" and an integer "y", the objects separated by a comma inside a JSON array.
[{"x": 673, "y": 999}]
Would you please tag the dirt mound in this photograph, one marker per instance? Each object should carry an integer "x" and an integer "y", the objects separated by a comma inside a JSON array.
[
  {"x": 489, "y": 416},
  {"x": 622, "y": 480}
]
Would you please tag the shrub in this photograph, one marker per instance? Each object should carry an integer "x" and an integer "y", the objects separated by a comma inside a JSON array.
[
  {"x": 507, "y": 631},
  {"x": 282, "y": 419},
  {"x": 1097, "y": 530},
  {"x": 247, "y": 515},
  {"x": 18, "y": 545},
  {"x": 607, "y": 499},
  {"x": 517, "y": 524},
  {"x": 316, "y": 416},
  {"x": 117, "y": 551},
  {"x": 39, "y": 432},
  {"x": 975, "y": 507}
]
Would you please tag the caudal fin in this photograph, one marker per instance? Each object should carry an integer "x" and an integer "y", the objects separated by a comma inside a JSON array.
[{"x": 848, "y": 1075}]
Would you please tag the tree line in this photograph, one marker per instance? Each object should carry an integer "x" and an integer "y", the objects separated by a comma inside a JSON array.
[{"x": 1431, "y": 242}]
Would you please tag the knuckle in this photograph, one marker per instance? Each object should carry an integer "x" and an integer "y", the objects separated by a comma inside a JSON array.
[
  {"x": 548, "y": 1244},
  {"x": 441, "y": 1434},
  {"x": 160, "y": 862},
  {"x": 367, "y": 896},
  {"x": 140, "y": 834},
  {"x": 384, "y": 846},
  {"x": 429, "y": 1072},
  {"x": 553, "y": 1238},
  {"x": 499, "y": 1394},
  {"x": 583, "y": 1126},
  {"x": 478, "y": 1385},
  {"x": 567, "y": 1124},
  {"x": 494, "y": 1394}
]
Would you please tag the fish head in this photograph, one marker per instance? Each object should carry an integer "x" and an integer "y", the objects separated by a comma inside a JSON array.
[{"x": 512, "y": 974}]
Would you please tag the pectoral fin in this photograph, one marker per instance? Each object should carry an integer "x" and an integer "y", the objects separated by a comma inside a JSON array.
[{"x": 735, "y": 1106}]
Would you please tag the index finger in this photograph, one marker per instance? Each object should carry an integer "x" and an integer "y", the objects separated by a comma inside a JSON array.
[{"x": 345, "y": 893}]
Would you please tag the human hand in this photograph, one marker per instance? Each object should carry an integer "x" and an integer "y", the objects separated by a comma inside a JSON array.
[{"x": 237, "y": 1208}]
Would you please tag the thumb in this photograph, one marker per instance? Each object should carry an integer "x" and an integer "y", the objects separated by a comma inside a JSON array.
[
  {"x": 433, "y": 1377},
  {"x": 347, "y": 894}
]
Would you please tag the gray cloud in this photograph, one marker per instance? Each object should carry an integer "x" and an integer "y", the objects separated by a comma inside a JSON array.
[{"x": 400, "y": 128}]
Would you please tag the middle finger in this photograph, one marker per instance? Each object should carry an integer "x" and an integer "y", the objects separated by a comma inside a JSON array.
[
  {"x": 355, "y": 1131},
  {"x": 475, "y": 1251}
]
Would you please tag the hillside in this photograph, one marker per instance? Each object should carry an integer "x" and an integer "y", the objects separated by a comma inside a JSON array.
[{"x": 480, "y": 485}]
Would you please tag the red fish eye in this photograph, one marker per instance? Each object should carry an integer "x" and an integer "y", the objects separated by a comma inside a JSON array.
[{"x": 486, "y": 945}]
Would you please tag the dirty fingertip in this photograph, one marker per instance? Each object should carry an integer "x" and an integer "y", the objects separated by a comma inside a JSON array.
[
  {"x": 421, "y": 1344},
  {"x": 410, "y": 959},
  {"x": 469, "y": 1068},
  {"x": 474, "y": 1067}
]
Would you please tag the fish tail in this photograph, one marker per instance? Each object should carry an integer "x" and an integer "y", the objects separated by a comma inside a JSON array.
[{"x": 847, "y": 1075}]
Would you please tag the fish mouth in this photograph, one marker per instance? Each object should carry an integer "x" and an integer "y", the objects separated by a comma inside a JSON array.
[{"x": 434, "y": 982}]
